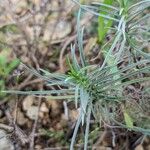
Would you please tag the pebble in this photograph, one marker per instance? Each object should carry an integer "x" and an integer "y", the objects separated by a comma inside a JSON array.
[
  {"x": 27, "y": 103},
  {"x": 44, "y": 108},
  {"x": 32, "y": 112},
  {"x": 61, "y": 30},
  {"x": 139, "y": 147},
  {"x": 21, "y": 120}
]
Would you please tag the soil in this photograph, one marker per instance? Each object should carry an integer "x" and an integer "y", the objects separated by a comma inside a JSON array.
[{"x": 43, "y": 33}]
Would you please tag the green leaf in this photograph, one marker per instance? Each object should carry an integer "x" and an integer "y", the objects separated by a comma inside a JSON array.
[
  {"x": 2, "y": 87},
  {"x": 80, "y": 40},
  {"x": 104, "y": 24},
  {"x": 3, "y": 61},
  {"x": 76, "y": 129},
  {"x": 11, "y": 28},
  {"x": 128, "y": 120},
  {"x": 12, "y": 66}
]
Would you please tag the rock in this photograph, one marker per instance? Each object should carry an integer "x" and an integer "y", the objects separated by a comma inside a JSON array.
[
  {"x": 57, "y": 31},
  {"x": 44, "y": 108},
  {"x": 38, "y": 147},
  {"x": 43, "y": 111},
  {"x": 27, "y": 102},
  {"x": 52, "y": 66},
  {"x": 139, "y": 147},
  {"x": 32, "y": 112},
  {"x": 21, "y": 120},
  {"x": 5, "y": 143}
]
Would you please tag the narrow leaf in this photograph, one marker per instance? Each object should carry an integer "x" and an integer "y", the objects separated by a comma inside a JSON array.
[{"x": 128, "y": 120}]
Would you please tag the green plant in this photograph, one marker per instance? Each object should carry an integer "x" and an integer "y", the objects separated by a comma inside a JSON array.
[
  {"x": 101, "y": 91},
  {"x": 6, "y": 67},
  {"x": 104, "y": 24},
  {"x": 59, "y": 135},
  {"x": 94, "y": 91}
]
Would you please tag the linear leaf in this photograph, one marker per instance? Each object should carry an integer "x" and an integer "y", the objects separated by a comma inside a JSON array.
[{"x": 128, "y": 120}]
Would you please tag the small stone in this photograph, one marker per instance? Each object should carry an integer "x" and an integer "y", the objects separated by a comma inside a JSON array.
[
  {"x": 27, "y": 102},
  {"x": 61, "y": 30},
  {"x": 38, "y": 147},
  {"x": 139, "y": 147},
  {"x": 52, "y": 65},
  {"x": 21, "y": 120},
  {"x": 32, "y": 112},
  {"x": 5, "y": 143},
  {"x": 44, "y": 108}
]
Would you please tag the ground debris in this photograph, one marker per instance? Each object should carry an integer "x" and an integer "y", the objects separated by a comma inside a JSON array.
[{"x": 5, "y": 143}]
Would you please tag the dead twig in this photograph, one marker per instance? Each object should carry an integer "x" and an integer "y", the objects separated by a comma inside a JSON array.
[
  {"x": 32, "y": 137},
  {"x": 100, "y": 139},
  {"x": 24, "y": 84},
  {"x": 6, "y": 127},
  {"x": 18, "y": 132}
]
